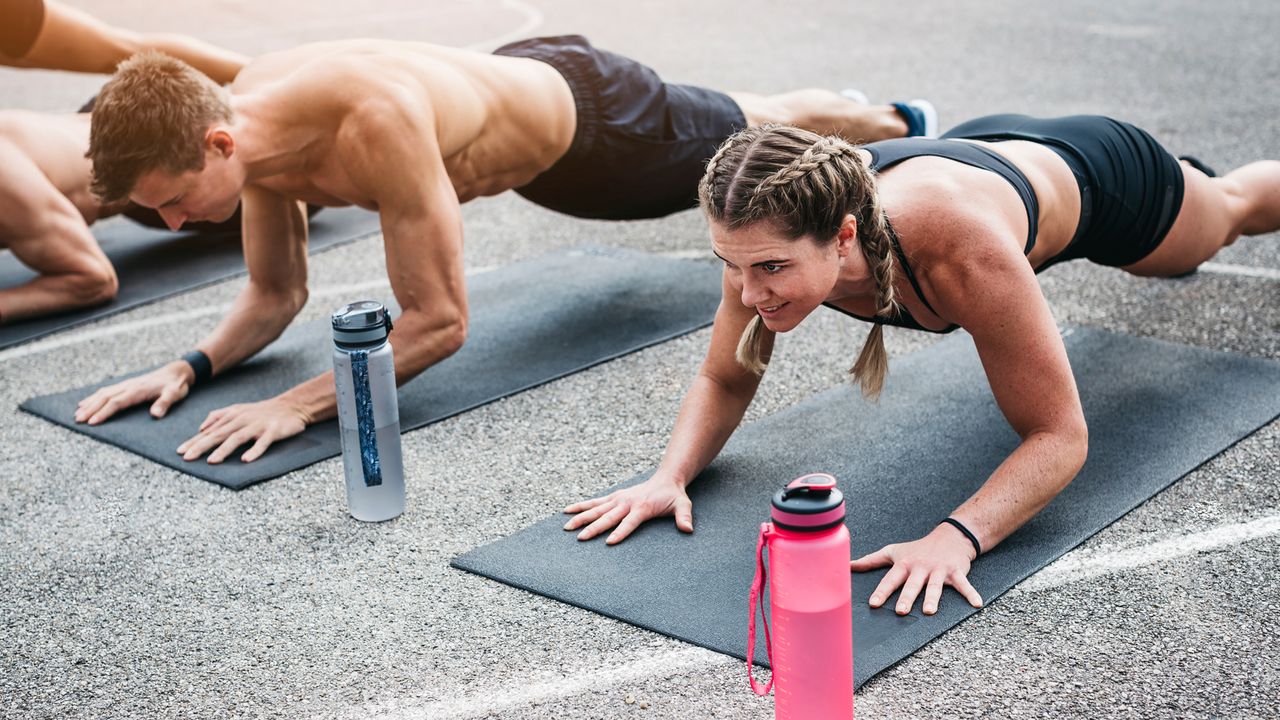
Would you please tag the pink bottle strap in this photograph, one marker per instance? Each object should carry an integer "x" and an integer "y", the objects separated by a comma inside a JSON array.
[{"x": 757, "y": 596}]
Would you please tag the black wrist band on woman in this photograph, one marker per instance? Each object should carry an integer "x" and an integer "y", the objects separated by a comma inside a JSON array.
[
  {"x": 965, "y": 531},
  {"x": 200, "y": 363}
]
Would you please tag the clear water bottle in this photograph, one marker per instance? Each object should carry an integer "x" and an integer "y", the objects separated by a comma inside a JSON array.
[
  {"x": 368, "y": 414},
  {"x": 810, "y": 639}
]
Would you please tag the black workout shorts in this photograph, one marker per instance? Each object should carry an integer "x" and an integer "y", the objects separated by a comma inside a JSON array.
[
  {"x": 20, "y": 23},
  {"x": 641, "y": 145},
  {"x": 1130, "y": 187}
]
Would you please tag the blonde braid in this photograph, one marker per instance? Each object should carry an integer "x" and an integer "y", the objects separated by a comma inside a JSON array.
[
  {"x": 817, "y": 155},
  {"x": 872, "y": 365}
]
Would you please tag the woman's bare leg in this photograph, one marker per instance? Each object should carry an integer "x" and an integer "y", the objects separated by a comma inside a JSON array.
[
  {"x": 825, "y": 112},
  {"x": 73, "y": 40},
  {"x": 1216, "y": 211}
]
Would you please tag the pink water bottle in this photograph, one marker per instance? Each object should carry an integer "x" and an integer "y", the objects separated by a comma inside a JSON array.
[{"x": 810, "y": 647}]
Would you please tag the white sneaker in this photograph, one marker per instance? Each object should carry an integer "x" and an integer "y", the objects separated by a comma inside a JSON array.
[{"x": 930, "y": 113}]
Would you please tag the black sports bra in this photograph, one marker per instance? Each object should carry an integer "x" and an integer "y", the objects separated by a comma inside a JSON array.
[{"x": 887, "y": 153}]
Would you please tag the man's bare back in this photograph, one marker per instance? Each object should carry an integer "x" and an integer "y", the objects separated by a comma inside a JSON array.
[{"x": 498, "y": 121}]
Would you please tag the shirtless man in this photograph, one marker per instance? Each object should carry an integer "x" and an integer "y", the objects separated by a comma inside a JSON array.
[{"x": 409, "y": 130}]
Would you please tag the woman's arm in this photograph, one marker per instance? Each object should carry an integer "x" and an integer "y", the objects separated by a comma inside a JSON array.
[
  {"x": 711, "y": 411},
  {"x": 994, "y": 295}
]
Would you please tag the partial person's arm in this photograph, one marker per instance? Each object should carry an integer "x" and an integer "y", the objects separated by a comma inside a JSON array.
[
  {"x": 711, "y": 411},
  {"x": 73, "y": 40},
  {"x": 46, "y": 232},
  {"x": 275, "y": 251},
  {"x": 391, "y": 154},
  {"x": 995, "y": 296}
]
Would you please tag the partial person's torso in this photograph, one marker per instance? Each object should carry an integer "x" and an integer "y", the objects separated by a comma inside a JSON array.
[{"x": 498, "y": 121}]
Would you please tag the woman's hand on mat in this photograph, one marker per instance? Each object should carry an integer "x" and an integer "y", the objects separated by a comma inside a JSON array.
[
  {"x": 166, "y": 385},
  {"x": 227, "y": 429},
  {"x": 928, "y": 564},
  {"x": 629, "y": 507}
]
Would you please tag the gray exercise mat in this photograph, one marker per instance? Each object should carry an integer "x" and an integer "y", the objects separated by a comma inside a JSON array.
[
  {"x": 1156, "y": 411},
  {"x": 154, "y": 264},
  {"x": 531, "y": 322}
]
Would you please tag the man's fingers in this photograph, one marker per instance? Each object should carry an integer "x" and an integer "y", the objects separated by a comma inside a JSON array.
[
  {"x": 966, "y": 590},
  {"x": 589, "y": 515},
  {"x": 228, "y": 446},
  {"x": 170, "y": 395},
  {"x": 684, "y": 514},
  {"x": 933, "y": 593},
  {"x": 259, "y": 446},
  {"x": 910, "y": 591},
  {"x": 633, "y": 520},
  {"x": 583, "y": 505},
  {"x": 888, "y": 584},
  {"x": 871, "y": 561},
  {"x": 605, "y": 522}
]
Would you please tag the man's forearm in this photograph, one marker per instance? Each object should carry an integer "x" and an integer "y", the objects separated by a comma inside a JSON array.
[
  {"x": 257, "y": 317},
  {"x": 417, "y": 344}
]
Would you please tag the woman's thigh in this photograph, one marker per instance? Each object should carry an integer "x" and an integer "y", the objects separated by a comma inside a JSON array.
[{"x": 1208, "y": 220}]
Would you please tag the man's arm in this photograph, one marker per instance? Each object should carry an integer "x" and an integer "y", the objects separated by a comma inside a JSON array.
[
  {"x": 46, "y": 232},
  {"x": 390, "y": 152},
  {"x": 274, "y": 233}
]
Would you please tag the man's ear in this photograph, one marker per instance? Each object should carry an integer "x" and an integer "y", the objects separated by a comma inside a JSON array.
[{"x": 220, "y": 140}]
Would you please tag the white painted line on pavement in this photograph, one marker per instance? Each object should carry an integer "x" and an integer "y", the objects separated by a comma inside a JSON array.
[
  {"x": 675, "y": 662},
  {"x": 1245, "y": 270},
  {"x": 1089, "y": 564}
]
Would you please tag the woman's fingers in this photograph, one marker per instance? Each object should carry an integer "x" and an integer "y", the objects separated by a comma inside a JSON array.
[
  {"x": 628, "y": 525},
  {"x": 890, "y": 582},
  {"x": 871, "y": 561},
  {"x": 933, "y": 593},
  {"x": 911, "y": 590},
  {"x": 961, "y": 583}
]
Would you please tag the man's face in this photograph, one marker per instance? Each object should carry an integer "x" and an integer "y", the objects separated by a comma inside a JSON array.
[{"x": 210, "y": 194}]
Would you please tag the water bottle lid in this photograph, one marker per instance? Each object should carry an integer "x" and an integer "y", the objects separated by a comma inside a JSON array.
[
  {"x": 809, "y": 503},
  {"x": 361, "y": 323}
]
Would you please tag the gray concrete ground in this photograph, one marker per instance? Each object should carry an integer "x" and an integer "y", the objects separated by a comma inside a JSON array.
[{"x": 130, "y": 590}]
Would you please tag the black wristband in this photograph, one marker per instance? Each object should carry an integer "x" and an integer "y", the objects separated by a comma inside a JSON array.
[
  {"x": 977, "y": 548},
  {"x": 199, "y": 362}
]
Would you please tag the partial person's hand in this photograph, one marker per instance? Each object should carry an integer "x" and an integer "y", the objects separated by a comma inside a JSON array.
[
  {"x": 942, "y": 557},
  {"x": 166, "y": 385},
  {"x": 225, "y": 430},
  {"x": 629, "y": 507}
]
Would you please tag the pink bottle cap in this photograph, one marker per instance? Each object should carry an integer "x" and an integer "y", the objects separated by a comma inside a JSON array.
[{"x": 809, "y": 503}]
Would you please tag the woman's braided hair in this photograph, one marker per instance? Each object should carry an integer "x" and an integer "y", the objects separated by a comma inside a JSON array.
[{"x": 804, "y": 184}]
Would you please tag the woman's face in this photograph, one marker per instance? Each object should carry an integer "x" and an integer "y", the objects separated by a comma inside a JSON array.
[{"x": 783, "y": 279}]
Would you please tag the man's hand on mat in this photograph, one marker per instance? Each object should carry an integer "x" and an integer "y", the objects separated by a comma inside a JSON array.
[
  {"x": 166, "y": 385},
  {"x": 629, "y": 507},
  {"x": 929, "y": 563},
  {"x": 227, "y": 429}
]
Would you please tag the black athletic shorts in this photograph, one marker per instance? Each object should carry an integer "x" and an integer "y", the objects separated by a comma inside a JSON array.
[
  {"x": 1130, "y": 187},
  {"x": 641, "y": 145},
  {"x": 20, "y": 23}
]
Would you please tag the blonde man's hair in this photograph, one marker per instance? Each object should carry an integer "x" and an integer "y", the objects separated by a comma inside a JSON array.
[
  {"x": 152, "y": 115},
  {"x": 804, "y": 184}
]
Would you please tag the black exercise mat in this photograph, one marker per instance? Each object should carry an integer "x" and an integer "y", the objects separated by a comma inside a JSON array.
[
  {"x": 531, "y": 322},
  {"x": 1156, "y": 411},
  {"x": 154, "y": 264}
]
